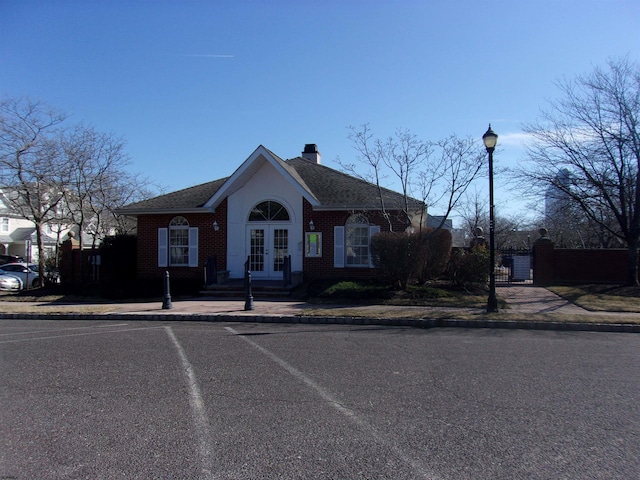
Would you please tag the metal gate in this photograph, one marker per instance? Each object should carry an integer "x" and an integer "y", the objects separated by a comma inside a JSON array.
[{"x": 514, "y": 265}]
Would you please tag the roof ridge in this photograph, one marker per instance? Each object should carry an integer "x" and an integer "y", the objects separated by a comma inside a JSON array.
[{"x": 351, "y": 177}]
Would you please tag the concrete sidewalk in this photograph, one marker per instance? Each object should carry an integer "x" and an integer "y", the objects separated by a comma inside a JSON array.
[
  {"x": 530, "y": 299},
  {"x": 522, "y": 299}
]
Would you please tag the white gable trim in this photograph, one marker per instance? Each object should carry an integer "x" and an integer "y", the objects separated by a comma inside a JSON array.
[{"x": 248, "y": 169}]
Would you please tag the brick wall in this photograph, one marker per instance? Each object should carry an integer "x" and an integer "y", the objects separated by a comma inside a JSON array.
[
  {"x": 573, "y": 266},
  {"x": 210, "y": 243},
  {"x": 316, "y": 268}
]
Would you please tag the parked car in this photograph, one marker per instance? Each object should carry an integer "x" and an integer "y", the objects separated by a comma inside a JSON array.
[
  {"x": 10, "y": 259},
  {"x": 9, "y": 283},
  {"x": 50, "y": 275},
  {"x": 29, "y": 278}
]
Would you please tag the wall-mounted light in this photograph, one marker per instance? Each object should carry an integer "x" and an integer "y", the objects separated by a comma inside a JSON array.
[
  {"x": 216, "y": 227},
  {"x": 312, "y": 226}
]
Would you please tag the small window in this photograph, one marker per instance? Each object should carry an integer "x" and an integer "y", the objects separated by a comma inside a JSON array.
[{"x": 4, "y": 225}]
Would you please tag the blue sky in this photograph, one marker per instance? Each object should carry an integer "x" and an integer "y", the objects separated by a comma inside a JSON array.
[{"x": 195, "y": 87}]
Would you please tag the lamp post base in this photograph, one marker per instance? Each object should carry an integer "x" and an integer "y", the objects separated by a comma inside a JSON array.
[
  {"x": 492, "y": 304},
  {"x": 492, "y": 301}
]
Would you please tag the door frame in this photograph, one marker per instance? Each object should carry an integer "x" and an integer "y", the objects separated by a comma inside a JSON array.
[{"x": 269, "y": 272}]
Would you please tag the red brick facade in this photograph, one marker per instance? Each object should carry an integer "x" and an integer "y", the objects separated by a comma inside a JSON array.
[
  {"x": 315, "y": 268},
  {"x": 211, "y": 243},
  {"x": 214, "y": 243}
]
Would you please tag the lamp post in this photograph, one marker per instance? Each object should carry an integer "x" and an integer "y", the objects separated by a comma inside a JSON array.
[{"x": 490, "y": 139}]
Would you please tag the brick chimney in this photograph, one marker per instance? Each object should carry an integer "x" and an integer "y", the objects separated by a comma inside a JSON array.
[{"x": 311, "y": 153}]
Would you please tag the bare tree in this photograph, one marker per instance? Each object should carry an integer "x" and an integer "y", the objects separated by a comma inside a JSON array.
[
  {"x": 96, "y": 170},
  {"x": 64, "y": 177},
  {"x": 592, "y": 132},
  {"x": 435, "y": 173},
  {"x": 401, "y": 155},
  {"x": 474, "y": 212},
  {"x": 98, "y": 183},
  {"x": 30, "y": 161},
  {"x": 509, "y": 230},
  {"x": 444, "y": 181}
]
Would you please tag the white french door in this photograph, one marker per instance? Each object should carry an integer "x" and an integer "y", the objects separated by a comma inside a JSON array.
[{"x": 267, "y": 245}]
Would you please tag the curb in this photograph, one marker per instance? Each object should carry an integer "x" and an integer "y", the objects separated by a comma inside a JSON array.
[{"x": 302, "y": 319}]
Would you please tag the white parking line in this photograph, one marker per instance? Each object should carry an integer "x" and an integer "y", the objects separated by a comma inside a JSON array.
[
  {"x": 31, "y": 332},
  {"x": 198, "y": 411},
  {"x": 101, "y": 332},
  {"x": 350, "y": 414}
]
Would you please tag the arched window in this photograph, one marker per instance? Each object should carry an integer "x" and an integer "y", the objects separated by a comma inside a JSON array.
[
  {"x": 357, "y": 241},
  {"x": 178, "y": 244},
  {"x": 268, "y": 211},
  {"x": 179, "y": 241}
]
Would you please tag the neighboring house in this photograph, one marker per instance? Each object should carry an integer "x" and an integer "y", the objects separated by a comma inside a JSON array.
[
  {"x": 18, "y": 235},
  {"x": 268, "y": 209}
]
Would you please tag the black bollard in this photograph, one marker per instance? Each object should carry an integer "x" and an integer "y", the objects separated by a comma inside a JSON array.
[
  {"x": 248, "y": 303},
  {"x": 166, "y": 300}
]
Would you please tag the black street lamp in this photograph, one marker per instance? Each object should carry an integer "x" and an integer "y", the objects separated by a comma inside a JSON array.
[{"x": 490, "y": 139}]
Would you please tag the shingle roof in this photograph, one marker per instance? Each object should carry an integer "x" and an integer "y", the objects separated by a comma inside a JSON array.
[
  {"x": 337, "y": 190},
  {"x": 333, "y": 189},
  {"x": 187, "y": 199}
]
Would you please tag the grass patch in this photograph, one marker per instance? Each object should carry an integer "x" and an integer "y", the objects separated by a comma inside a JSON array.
[
  {"x": 601, "y": 298},
  {"x": 370, "y": 293},
  {"x": 441, "y": 295},
  {"x": 353, "y": 291},
  {"x": 383, "y": 312}
]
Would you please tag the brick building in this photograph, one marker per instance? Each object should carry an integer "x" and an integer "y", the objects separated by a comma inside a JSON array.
[{"x": 267, "y": 210}]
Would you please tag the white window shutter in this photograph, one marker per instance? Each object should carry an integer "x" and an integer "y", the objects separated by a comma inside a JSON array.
[
  {"x": 338, "y": 247},
  {"x": 193, "y": 247},
  {"x": 373, "y": 229},
  {"x": 163, "y": 239}
]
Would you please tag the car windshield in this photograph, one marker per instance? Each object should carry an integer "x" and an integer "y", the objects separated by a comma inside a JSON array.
[{"x": 34, "y": 268}]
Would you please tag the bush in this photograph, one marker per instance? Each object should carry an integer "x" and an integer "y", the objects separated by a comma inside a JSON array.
[
  {"x": 399, "y": 256},
  {"x": 406, "y": 256},
  {"x": 469, "y": 267},
  {"x": 436, "y": 253}
]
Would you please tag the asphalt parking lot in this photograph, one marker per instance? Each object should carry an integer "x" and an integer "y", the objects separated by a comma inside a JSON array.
[{"x": 139, "y": 399}]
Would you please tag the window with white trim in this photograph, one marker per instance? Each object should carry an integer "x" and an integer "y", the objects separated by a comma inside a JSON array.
[
  {"x": 352, "y": 243},
  {"x": 268, "y": 211},
  {"x": 178, "y": 244},
  {"x": 179, "y": 241},
  {"x": 357, "y": 241},
  {"x": 4, "y": 225}
]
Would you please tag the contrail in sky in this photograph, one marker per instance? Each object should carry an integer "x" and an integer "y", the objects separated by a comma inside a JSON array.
[{"x": 208, "y": 55}]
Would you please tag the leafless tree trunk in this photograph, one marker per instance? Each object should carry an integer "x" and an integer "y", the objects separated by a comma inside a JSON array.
[
  {"x": 63, "y": 176},
  {"x": 98, "y": 182},
  {"x": 592, "y": 133},
  {"x": 30, "y": 161}
]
